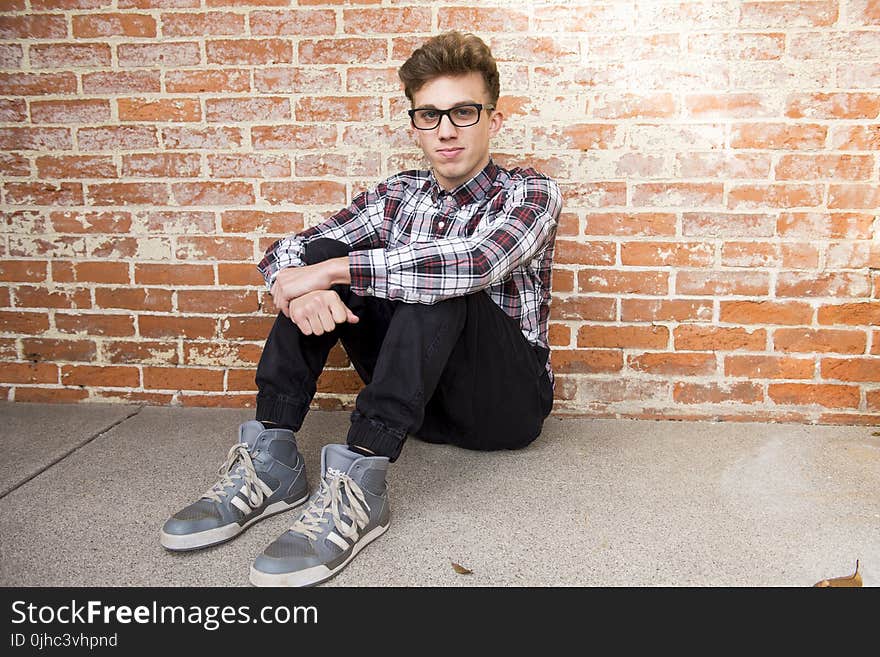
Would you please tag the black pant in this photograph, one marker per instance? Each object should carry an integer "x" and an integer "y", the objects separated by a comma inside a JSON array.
[{"x": 459, "y": 371}]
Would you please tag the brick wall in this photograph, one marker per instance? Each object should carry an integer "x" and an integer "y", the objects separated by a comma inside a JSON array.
[{"x": 718, "y": 255}]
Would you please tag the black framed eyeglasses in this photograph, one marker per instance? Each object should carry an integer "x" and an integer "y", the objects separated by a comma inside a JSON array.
[{"x": 461, "y": 116}]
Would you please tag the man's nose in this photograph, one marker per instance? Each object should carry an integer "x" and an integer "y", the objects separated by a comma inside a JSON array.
[{"x": 446, "y": 129}]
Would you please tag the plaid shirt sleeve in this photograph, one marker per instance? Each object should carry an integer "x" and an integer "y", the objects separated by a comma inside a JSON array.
[
  {"x": 360, "y": 225},
  {"x": 428, "y": 272}
]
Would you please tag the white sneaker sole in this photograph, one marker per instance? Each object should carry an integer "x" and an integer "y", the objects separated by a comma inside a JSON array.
[
  {"x": 183, "y": 542},
  {"x": 315, "y": 574}
]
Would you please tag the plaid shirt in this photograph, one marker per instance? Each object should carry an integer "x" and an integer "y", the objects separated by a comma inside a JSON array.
[{"x": 414, "y": 242}]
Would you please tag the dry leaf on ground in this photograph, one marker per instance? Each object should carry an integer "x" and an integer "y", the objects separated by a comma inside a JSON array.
[
  {"x": 461, "y": 570},
  {"x": 850, "y": 581}
]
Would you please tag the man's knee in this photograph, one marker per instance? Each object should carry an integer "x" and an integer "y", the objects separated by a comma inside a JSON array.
[{"x": 324, "y": 249}]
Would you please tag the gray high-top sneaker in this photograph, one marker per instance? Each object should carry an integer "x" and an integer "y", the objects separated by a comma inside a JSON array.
[
  {"x": 264, "y": 474},
  {"x": 349, "y": 510}
]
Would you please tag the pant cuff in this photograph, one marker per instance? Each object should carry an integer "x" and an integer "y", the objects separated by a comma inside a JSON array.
[
  {"x": 282, "y": 410},
  {"x": 375, "y": 436}
]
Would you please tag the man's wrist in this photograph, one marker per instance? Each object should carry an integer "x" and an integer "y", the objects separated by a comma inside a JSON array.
[{"x": 339, "y": 272}]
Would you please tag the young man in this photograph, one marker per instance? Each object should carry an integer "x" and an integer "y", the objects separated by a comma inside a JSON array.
[{"x": 437, "y": 283}]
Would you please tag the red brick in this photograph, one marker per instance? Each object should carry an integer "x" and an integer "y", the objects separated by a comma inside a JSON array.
[
  {"x": 154, "y": 299},
  {"x": 257, "y": 221},
  {"x": 34, "y": 26},
  {"x": 238, "y": 274},
  {"x": 802, "y": 394},
  {"x": 223, "y": 354},
  {"x": 825, "y": 284},
  {"x": 227, "y": 400},
  {"x": 738, "y": 45},
  {"x": 774, "y": 195},
  {"x": 246, "y": 328},
  {"x": 714, "y": 338},
  {"x": 95, "y": 324},
  {"x": 584, "y": 253},
  {"x": 249, "y": 165},
  {"x": 732, "y": 105},
  {"x": 72, "y": 221},
  {"x": 742, "y": 392},
  {"x": 70, "y": 111},
  {"x": 70, "y": 55},
  {"x": 725, "y": 283},
  {"x": 820, "y": 340},
  {"x": 853, "y": 314},
  {"x": 819, "y": 225},
  {"x": 850, "y": 419},
  {"x": 249, "y": 51},
  {"x": 48, "y": 349},
  {"x": 28, "y": 373},
  {"x": 342, "y": 51},
  {"x": 182, "y": 378},
  {"x": 214, "y": 81},
  {"x": 873, "y": 399},
  {"x": 585, "y": 308},
  {"x": 211, "y": 193},
  {"x": 11, "y": 57},
  {"x": 664, "y": 254},
  {"x": 563, "y": 280},
  {"x": 173, "y": 275},
  {"x": 293, "y": 22},
  {"x": 782, "y": 136},
  {"x": 559, "y": 335},
  {"x": 815, "y": 167},
  {"x": 161, "y": 165},
  {"x": 627, "y": 337},
  {"x": 766, "y": 312},
  {"x": 664, "y": 310},
  {"x": 241, "y": 379},
  {"x": 724, "y": 165},
  {"x": 842, "y": 44},
  {"x": 23, "y": 271},
  {"x": 388, "y": 20},
  {"x": 833, "y": 105},
  {"x": 577, "y": 136},
  {"x": 856, "y": 137},
  {"x": 769, "y": 367},
  {"x": 854, "y": 196},
  {"x": 209, "y": 23},
  {"x": 214, "y": 248},
  {"x": 633, "y": 47},
  {"x": 202, "y": 138},
  {"x": 40, "y": 193},
  {"x": 159, "y": 326},
  {"x": 162, "y": 110},
  {"x": 28, "y": 296},
  {"x": 853, "y": 255},
  {"x": 88, "y": 26},
  {"x": 37, "y": 84},
  {"x": 141, "y": 352},
  {"x": 95, "y": 272},
  {"x": 128, "y": 194},
  {"x": 593, "y": 195},
  {"x": 293, "y": 79},
  {"x": 50, "y": 395},
  {"x": 293, "y": 137},
  {"x": 98, "y": 376},
  {"x": 133, "y": 397},
  {"x": 710, "y": 224},
  {"x": 328, "y": 109},
  {"x": 301, "y": 192},
  {"x": 14, "y": 166},
  {"x": 678, "y": 194},
  {"x": 12, "y": 110},
  {"x": 35, "y": 139},
  {"x": 29, "y": 323},
  {"x": 158, "y": 55},
  {"x": 613, "y": 281},
  {"x": 792, "y": 255},
  {"x": 226, "y": 110},
  {"x": 673, "y": 364},
  {"x": 628, "y": 106},
  {"x": 213, "y": 301},
  {"x": 116, "y": 138},
  {"x": 368, "y": 136},
  {"x": 851, "y": 369},
  {"x": 587, "y": 361},
  {"x": 76, "y": 166},
  {"x": 646, "y": 224}
]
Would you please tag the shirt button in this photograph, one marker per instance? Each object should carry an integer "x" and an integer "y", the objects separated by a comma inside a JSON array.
[
  {"x": 441, "y": 224},
  {"x": 369, "y": 290}
]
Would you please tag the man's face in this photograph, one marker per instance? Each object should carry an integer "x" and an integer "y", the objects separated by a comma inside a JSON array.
[{"x": 456, "y": 154}]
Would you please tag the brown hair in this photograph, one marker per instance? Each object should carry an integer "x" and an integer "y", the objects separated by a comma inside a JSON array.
[{"x": 450, "y": 53}]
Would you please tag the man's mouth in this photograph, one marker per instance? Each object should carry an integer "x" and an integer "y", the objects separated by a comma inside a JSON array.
[{"x": 449, "y": 152}]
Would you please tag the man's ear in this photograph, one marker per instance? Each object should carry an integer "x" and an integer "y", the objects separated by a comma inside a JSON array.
[{"x": 496, "y": 120}]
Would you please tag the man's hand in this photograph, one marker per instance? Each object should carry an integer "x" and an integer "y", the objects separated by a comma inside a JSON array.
[
  {"x": 319, "y": 312},
  {"x": 293, "y": 282}
]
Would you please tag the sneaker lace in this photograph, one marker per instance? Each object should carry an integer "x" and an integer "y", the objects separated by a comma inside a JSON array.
[
  {"x": 336, "y": 487},
  {"x": 238, "y": 453}
]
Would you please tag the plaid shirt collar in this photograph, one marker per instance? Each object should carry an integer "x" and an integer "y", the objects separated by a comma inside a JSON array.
[{"x": 470, "y": 192}]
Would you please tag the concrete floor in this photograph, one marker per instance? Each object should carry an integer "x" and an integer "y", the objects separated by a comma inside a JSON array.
[{"x": 85, "y": 488}]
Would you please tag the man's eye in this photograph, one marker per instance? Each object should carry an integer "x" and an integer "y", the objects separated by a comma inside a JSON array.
[
  {"x": 428, "y": 115},
  {"x": 464, "y": 112}
]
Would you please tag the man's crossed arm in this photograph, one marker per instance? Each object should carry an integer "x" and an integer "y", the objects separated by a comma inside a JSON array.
[{"x": 303, "y": 294}]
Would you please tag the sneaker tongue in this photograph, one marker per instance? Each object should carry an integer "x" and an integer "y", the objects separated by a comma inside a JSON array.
[
  {"x": 337, "y": 457},
  {"x": 249, "y": 432}
]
